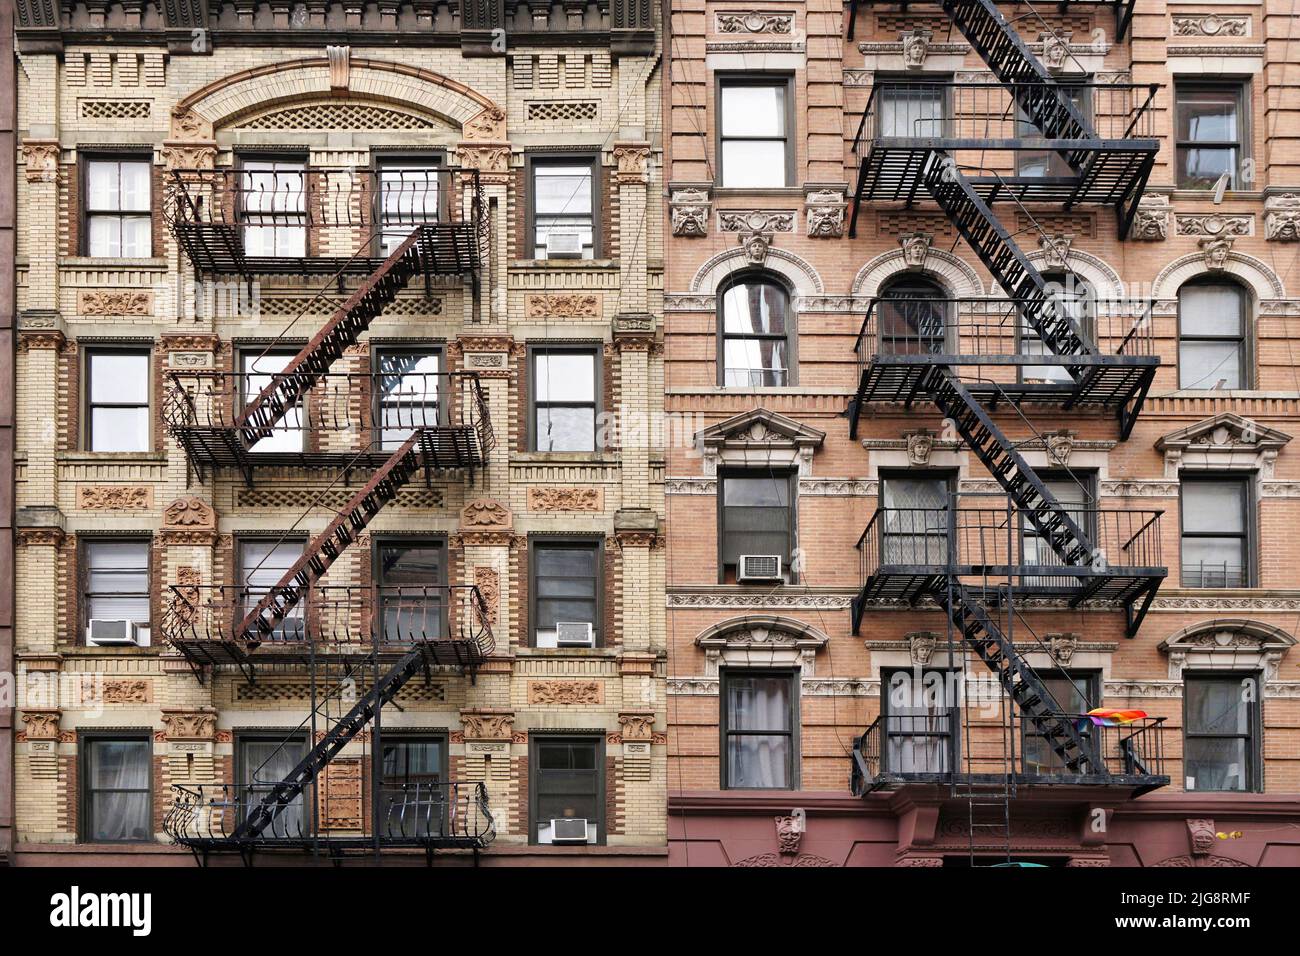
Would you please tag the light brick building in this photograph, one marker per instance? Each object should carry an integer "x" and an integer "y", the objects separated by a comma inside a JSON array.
[
  {"x": 318, "y": 281},
  {"x": 908, "y": 430}
]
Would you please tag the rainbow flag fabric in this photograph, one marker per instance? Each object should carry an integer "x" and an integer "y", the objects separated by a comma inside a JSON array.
[{"x": 1106, "y": 717}]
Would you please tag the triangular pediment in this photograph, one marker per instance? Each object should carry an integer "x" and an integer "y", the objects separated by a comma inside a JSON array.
[
  {"x": 760, "y": 427},
  {"x": 1225, "y": 430}
]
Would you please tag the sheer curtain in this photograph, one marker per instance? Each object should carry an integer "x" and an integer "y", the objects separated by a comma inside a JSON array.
[
  {"x": 266, "y": 763},
  {"x": 918, "y": 724},
  {"x": 754, "y": 705},
  {"x": 119, "y": 786}
]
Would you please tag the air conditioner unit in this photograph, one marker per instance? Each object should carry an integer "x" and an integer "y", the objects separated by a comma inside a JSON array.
[
  {"x": 568, "y": 830},
  {"x": 112, "y": 634},
  {"x": 563, "y": 245},
  {"x": 759, "y": 567},
  {"x": 573, "y": 634}
]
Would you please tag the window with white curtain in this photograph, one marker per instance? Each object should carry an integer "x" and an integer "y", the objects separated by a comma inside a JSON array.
[
  {"x": 118, "y": 218},
  {"x": 273, "y": 198},
  {"x": 117, "y": 400},
  {"x": 914, "y": 526},
  {"x": 117, "y": 796},
  {"x": 262, "y": 563},
  {"x": 920, "y": 726},
  {"x": 408, "y": 393},
  {"x": 264, "y": 762},
  {"x": 758, "y": 731}
]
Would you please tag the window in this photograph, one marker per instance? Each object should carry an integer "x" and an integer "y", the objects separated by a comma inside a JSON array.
[
  {"x": 563, "y": 208},
  {"x": 262, "y": 563},
  {"x": 1077, "y": 496},
  {"x": 1075, "y": 694},
  {"x": 758, "y": 730},
  {"x": 1216, "y": 522},
  {"x": 919, "y": 711},
  {"x": 259, "y": 370},
  {"x": 414, "y": 790},
  {"x": 118, "y": 400},
  {"x": 755, "y": 141},
  {"x": 756, "y": 517},
  {"x": 566, "y": 586},
  {"x": 118, "y": 221},
  {"x": 1211, "y": 134},
  {"x": 755, "y": 333},
  {"x": 1212, "y": 336},
  {"x": 407, "y": 393},
  {"x": 910, "y": 109},
  {"x": 1047, "y": 162},
  {"x": 116, "y": 789},
  {"x": 263, "y": 762},
  {"x": 914, "y": 526},
  {"x": 912, "y": 318},
  {"x": 568, "y": 783},
  {"x": 411, "y": 576},
  {"x": 1078, "y": 299},
  {"x": 564, "y": 399},
  {"x": 408, "y": 197},
  {"x": 1222, "y": 746},
  {"x": 115, "y": 581},
  {"x": 273, "y": 207}
]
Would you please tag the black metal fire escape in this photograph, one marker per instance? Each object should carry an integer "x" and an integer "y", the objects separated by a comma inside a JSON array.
[{"x": 950, "y": 352}]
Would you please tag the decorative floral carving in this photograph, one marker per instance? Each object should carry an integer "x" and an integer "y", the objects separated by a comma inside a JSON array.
[
  {"x": 1151, "y": 219},
  {"x": 42, "y": 724},
  {"x": 114, "y": 497},
  {"x": 1212, "y": 224},
  {"x": 190, "y": 513},
  {"x": 916, "y": 248},
  {"x": 486, "y": 159},
  {"x": 116, "y": 302},
  {"x": 184, "y": 606},
  {"x": 487, "y": 725},
  {"x": 916, "y": 47},
  {"x": 41, "y": 160},
  {"x": 186, "y": 155},
  {"x": 566, "y": 692},
  {"x": 127, "y": 692},
  {"x": 488, "y": 582},
  {"x": 637, "y": 726},
  {"x": 1211, "y": 25},
  {"x": 776, "y": 859},
  {"x": 190, "y": 724},
  {"x": 485, "y": 513},
  {"x": 187, "y": 124},
  {"x": 488, "y": 125},
  {"x": 565, "y": 498},
  {"x": 756, "y": 220},
  {"x": 1282, "y": 218},
  {"x": 562, "y": 305},
  {"x": 754, "y": 22},
  {"x": 632, "y": 160}
]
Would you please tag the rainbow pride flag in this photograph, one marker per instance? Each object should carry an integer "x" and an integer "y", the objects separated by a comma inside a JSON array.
[{"x": 1105, "y": 717}]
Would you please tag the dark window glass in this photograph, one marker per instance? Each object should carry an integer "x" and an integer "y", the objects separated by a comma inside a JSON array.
[
  {"x": 759, "y": 731},
  {"x": 118, "y": 401},
  {"x": 263, "y": 763},
  {"x": 910, "y": 109},
  {"x": 566, "y": 588},
  {"x": 915, "y": 523},
  {"x": 116, "y": 581},
  {"x": 408, "y": 197},
  {"x": 1210, "y": 135},
  {"x": 1046, "y": 162},
  {"x": 1211, "y": 336},
  {"x": 755, "y": 334},
  {"x": 757, "y": 516},
  {"x": 116, "y": 785},
  {"x": 411, "y": 576},
  {"x": 568, "y": 784},
  {"x": 408, "y": 394},
  {"x": 564, "y": 194},
  {"x": 415, "y": 796},
  {"x": 919, "y": 724},
  {"x": 912, "y": 318},
  {"x": 118, "y": 220},
  {"x": 1216, "y": 532},
  {"x": 564, "y": 400},
  {"x": 1075, "y": 694},
  {"x": 262, "y": 563},
  {"x": 1221, "y": 746},
  {"x": 274, "y": 207},
  {"x": 754, "y": 138}
]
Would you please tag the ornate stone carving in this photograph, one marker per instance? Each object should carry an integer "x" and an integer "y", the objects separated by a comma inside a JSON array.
[
  {"x": 42, "y": 724},
  {"x": 489, "y": 125},
  {"x": 187, "y": 124},
  {"x": 187, "y": 155},
  {"x": 1062, "y": 647},
  {"x": 488, "y": 582},
  {"x": 1213, "y": 224},
  {"x": 916, "y": 248},
  {"x": 920, "y": 445},
  {"x": 487, "y": 724},
  {"x": 689, "y": 210},
  {"x": 776, "y": 859},
  {"x": 1200, "y": 833},
  {"x": 565, "y": 498},
  {"x": 921, "y": 646},
  {"x": 184, "y": 604},
  {"x": 114, "y": 497},
  {"x": 756, "y": 246},
  {"x": 637, "y": 726},
  {"x": 754, "y": 22},
  {"x": 789, "y": 833},
  {"x": 41, "y": 160},
  {"x": 1060, "y": 445},
  {"x": 1056, "y": 250},
  {"x": 189, "y": 724},
  {"x": 916, "y": 47},
  {"x": 127, "y": 692},
  {"x": 1211, "y": 25},
  {"x": 632, "y": 161},
  {"x": 756, "y": 220},
  {"x": 116, "y": 302},
  {"x": 566, "y": 692},
  {"x": 824, "y": 213},
  {"x": 486, "y": 159},
  {"x": 1151, "y": 220},
  {"x": 340, "y": 61},
  {"x": 1282, "y": 218},
  {"x": 190, "y": 513},
  {"x": 1056, "y": 50},
  {"x": 563, "y": 305},
  {"x": 1216, "y": 251}
]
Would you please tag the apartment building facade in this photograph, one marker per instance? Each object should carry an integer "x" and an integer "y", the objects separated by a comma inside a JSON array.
[
  {"x": 989, "y": 311},
  {"x": 331, "y": 542}
]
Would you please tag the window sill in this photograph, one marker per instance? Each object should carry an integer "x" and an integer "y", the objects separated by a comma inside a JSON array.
[
  {"x": 562, "y": 265},
  {"x": 562, "y": 458},
  {"x": 105, "y": 262},
  {"x": 108, "y": 457},
  {"x": 776, "y": 192},
  {"x": 85, "y": 650},
  {"x": 609, "y": 652}
]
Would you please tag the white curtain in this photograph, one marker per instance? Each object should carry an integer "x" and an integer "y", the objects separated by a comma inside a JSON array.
[
  {"x": 266, "y": 763},
  {"x": 758, "y": 759},
  {"x": 119, "y": 786}
]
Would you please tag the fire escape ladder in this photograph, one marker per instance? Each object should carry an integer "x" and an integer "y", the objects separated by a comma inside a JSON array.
[
  {"x": 323, "y": 550},
  {"x": 259, "y": 418},
  {"x": 1020, "y": 681},
  {"x": 283, "y": 794}
]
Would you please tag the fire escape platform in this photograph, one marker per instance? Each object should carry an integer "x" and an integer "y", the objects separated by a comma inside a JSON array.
[
  {"x": 1075, "y": 586},
  {"x": 1099, "y": 786}
]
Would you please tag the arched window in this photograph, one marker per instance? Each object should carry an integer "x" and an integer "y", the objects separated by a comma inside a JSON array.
[
  {"x": 913, "y": 317},
  {"x": 1212, "y": 349},
  {"x": 1079, "y": 299},
  {"x": 754, "y": 332}
]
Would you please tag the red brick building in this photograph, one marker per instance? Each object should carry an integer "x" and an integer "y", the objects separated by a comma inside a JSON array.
[{"x": 987, "y": 312}]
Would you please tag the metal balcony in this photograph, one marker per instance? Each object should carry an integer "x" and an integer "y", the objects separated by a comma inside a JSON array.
[
  {"x": 347, "y": 421},
  {"x": 923, "y": 745},
  {"x": 907, "y": 554},
  {"x": 335, "y": 623},
  {"x": 990, "y": 346},
  {"x": 325, "y": 222}
]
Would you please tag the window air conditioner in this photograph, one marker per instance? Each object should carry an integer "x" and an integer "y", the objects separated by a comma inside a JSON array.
[
  {"x": 568, "y": 830},
  {"x": 112, "y": 634},
  {"x": 563, "y": 245},
  {"x": 759, "y": 567},
  {"x": 573, "y": 634}
]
